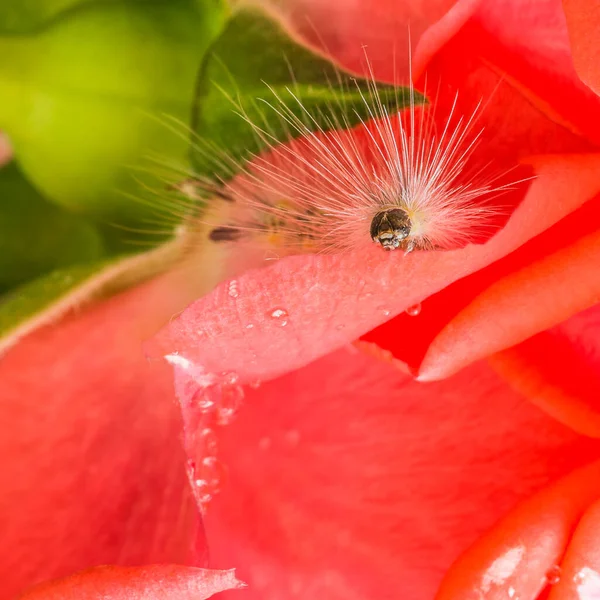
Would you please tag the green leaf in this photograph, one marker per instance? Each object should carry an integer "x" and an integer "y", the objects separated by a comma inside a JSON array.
[
  {"x": 83, "y": 99},
  {"x": 254, "y": 70},
  {"x": 37, "y": 237},
  {"x": 48, "y": 298}
]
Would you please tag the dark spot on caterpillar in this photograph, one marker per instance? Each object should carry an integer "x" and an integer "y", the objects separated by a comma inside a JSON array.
[
  {"x": 225, "y": 234},
  {"x": 390, "y": 228},
  {"x": 220, "y": 193}
]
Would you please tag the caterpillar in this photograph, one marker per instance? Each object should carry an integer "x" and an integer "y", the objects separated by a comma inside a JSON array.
[{"x": 403, "y": 179}]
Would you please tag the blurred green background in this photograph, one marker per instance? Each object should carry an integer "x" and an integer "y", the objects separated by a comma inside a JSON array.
[
  {"x": 84, "y": 89},
  {"x": 107, "y": 103}
]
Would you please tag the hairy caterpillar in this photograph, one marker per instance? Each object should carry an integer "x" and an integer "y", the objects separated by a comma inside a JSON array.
[{"x": 403, "y": 179}]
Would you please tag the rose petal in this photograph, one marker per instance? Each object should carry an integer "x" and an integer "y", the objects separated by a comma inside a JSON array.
[
  {"x": 583, "y": 21},
  {"x": 93, "y": 471},
  {"x": 143, "y": 583},
  {"x": 512, "y": 560},
  {"x": 539, "y": 63},
  {"x": 301, "y": 308},
  {"x": 559, "y": 371},
  {"x": 350, "y": 31},
  {"x": 518, "y": 306},
  {"x": 356, "y": 482},
  {"x": 580, "y": 568},
  {"x": 475, "y": 47}
]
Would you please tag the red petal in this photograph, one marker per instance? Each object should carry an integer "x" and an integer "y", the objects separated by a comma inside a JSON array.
[
  {"x": 143, "y": 583},
  {"x": 348, "y": 29},
  {"x": 549, "y": 267},
  {"x": 355, "y": 481},
  {"x": 518, "y": 306},
  {"x": 583, "y": 21},
  {"x": 92, "y": 468},
  {"x": 332, "y": 300},
  {"x": 539, "y": 64},
  {"x": 580, "y": 568},
  {"x": 558, "y": 373},
  {"x": 520, "y": 550}
]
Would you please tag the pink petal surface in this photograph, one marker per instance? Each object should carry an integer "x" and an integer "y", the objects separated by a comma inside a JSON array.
[
  {"x": 356, "y": 482},
  {"x": 286, "y": 315},
  {"x": 539, "y": 64},
  {"x": 519, "y": 552},
  {"x": 580, "y": 568},
  {"x": 558, "y": 371},
  {"x": 137, "y": 583},
  {"x": 93, "y": 471},
  {"x": 552, "y": 249},
  {"x": 350, "y": 30},
  {"x": 517, "y": 306},
  {"x": 349, "y": 296},
  {"x": 583, "y": 21}
]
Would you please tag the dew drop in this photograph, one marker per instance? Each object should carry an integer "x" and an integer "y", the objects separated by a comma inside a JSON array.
[
  {"x": 207, "y": 440},
  {"x": 587, "y": 581},
  {"x": 207, "y": 478},
  {"x": 233, "y": 289},
  {"x": 385, "y": 311},
  {"x": 206, "y": 398},
  {"x": 230, "y": 402},
  {"x": 250, "y": 326},
  {"x": 512, "y": 593},
  {"x": 414, "y": 310},
  {"x": 280, "y": 316},
  {"x": 553, "y": 575}
]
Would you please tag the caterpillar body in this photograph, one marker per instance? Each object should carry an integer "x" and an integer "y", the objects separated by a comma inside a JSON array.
[{"x": 405, "y": 179}]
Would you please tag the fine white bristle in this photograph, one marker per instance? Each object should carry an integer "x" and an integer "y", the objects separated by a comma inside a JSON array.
[{"x": 404, "y": 179}]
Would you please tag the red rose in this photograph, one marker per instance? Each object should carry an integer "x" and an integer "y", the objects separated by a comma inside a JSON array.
[{"x": 347, "y": 478}]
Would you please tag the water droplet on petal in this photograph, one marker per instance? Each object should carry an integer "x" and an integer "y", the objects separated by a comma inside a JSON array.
[
  {"x": 587, "y": 581},
  {"x": 207, "y": 479},
  {"x": 414, "y": 310},
  {"x": 250, "y": 326},
  {"x": 207, "y": 441},
  {"x": 512, "y": 593},
  {"x": 206, "y": 398},
  {"x": 385, "y": 311},
  {"x": 553, "y": 575},
  {"x": 280, "y": 316},
  {"x": 233, "y": 289},
  {"x": 230, "y": 402}
]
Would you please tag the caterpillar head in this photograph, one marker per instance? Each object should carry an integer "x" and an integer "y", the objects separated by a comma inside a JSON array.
[{"x": 390, "y": 228}]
